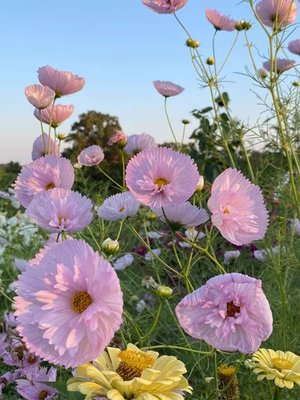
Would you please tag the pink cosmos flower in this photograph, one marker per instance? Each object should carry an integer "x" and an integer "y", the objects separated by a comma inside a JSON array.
[
  {"x": 41, "y": 145},
  {"x": 92, "y": 155},
  {"x": 165, "y": 6},
  {"x": 157, "y": 177},
  {"x": 39, "y": 96},
  {"x": 167, "y": 89},
  {"x": 230, "y": 312},
  {"x": 118, "y": 137},
  {"x": 62, "y": 82},
  {"x": 61, "y": 210},
  {"x": 294, "y": 47},
  {"x": 119, "y": 206},
  {"x": 41, "y": 175},
  {"x": 137, "y": 143},
  {"x": 276, "y": 13},
  {"x": 56, "y": 114},
  {"x": 183, "y": 214},
  {"x": 280, "y": 65},
  {"x": 238, "y": 208},
  {"x": 219, "y": 21},
  {"x": 70, "y": 305}
]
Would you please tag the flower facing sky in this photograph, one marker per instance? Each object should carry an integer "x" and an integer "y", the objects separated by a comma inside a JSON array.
[
  {"x": 276, "y": 13},
  {"x": 39, "y": 96},
  {"x": 92, "y": 155},
  {"x": 56, "y": 114},
  {"x": 157, "y": 177},
  {"x": 42, "y": 146},
  {"x": 183, "y": 214},
  {"x": 61, "y": 210},
  {"x": 238, "y": 208},
  {"x": 282, "y": 367},
  {"x": 167, "y": 89},
  {"x": 294, "y": 47},
  {"x": 41, "y": 175},
  {"x": 69, "y": 305},
  {"x": 219, "y": 21},
  {"x": 230, "y": 312},
  {"x": 132, "y": 374},
  {"x": 119, "y": 206},
  {"x": 279, "y": 65},
  {"x": 137, "y": 143},
  {"x": 165, "y": 6}
]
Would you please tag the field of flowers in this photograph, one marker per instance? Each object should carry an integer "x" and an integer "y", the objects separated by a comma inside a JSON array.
[{"x": 181, "y": 278}]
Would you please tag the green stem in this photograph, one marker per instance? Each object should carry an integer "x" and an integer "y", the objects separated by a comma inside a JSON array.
[
  {"x": 164, "y": 346},
  {"x": 277, "y": 393},
  {"x": 247, "y": 158},
  {"x": 215, "y": 364},
  {"x": 155, "y": 322},
  {"x": 94, "y": 238},
  {"x": 110, "y": 178},
  {"x": 169, "y": 122},
  {"x": 120, "y": 229}
]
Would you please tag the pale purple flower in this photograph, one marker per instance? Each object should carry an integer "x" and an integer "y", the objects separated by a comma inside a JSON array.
[
  {"x": 42, "y": 146},
  {"x": 123, "y": 262},
  {"x": 279, "y": 65},
  {"x": 150, "y": 255},
  {"x": 118, "y": 137},
  {"x": 276, "y": 13},
  {"x": 261, "y": 255},
  {"x": 157, "y": 177},
  {"x": 92, "y": 155},
  {"x": 61, "y": 210},
  {"x": 219, "y": 21},
  {"x": 39, "y": 96},
  {"x": 294, "y": 47},
  {"x": 238, "y": 208},
  {"x": 183, "y": 214},
  {"x": 167, "y": 89},
  {"x": 119, "y": 206},
  {"x": 165, "y": 6},
  {"x": 70, "y": 305},
  {"x": 137, "y": 143},
  {"x": 230, "y": 312},
  {"x": 32, "y": 390},
  {"x": 62, "y": 82},
  {"x": 41, "y": 175},
  {"x": 56, "y": 114},
  {"x": 231, "y": 255}
]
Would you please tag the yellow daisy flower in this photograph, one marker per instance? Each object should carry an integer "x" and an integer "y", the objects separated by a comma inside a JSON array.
[
  {"x": 131, "y": 374},
  {"x": 282, "y": 367}
]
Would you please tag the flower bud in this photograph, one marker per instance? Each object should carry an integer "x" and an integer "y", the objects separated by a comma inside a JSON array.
[
  {"x": 61, "y": 136},
  {"x": 200, "y": 184},
  {"x": 192, "y": 43},
  {"x": 262, "y": 73},
  {"x": 243, "y": 25},
  {"x": 110, "y": 247},
  {"x": 185, "y": 121},
  {"x": 151, "y": 216},
  {"x": 164, "y": 292},
  {"x": 296, "y": 84},
  {"x": 210, "y": 61}
]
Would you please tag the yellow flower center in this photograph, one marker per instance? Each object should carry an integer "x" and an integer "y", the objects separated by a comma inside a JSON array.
[
  {"x": 80, "y": 301},
  {"x": 121, "y": 209},
  {"x": 280, "y": 363},
  {"x": 161, "y": 182},
  {"x": 226, "y": 370},
  {"x": 50, "y": 186},
  {"x": 232, "y": 309},
  {"x": 133, "y": 364},
  {"x": 43, "y": 394},
  {"x": 226, "y": 211}
]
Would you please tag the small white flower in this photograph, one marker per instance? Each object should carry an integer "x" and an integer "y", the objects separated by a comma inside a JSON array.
[
  {"x": 154, "y": 235},
  {"x": 149, "y": 256},
  {"x": 2, "y": 220},
  {"x": 231, "y": 255},
  {"x": 141, "y": 305},
  {"x": 123, "y": 262},
  {"x": 296, "y": 226}
]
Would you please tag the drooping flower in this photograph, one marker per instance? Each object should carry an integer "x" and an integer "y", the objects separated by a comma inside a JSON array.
[
  {"x": 56, "y": 114},
  {"x": 157, "y": 177},
  {"x": 294, "y": 47},
  {"x": 69, "y": 305},
  {"x": 39, "y": 96},
  {"x": 238, "y": 208},
  {"x": 92, "y": 155},
  {"x": 165, "y": 6},
  {"x": 41, "y": 175},
  {"x": 118, "y": 137},
  {"x": 167, "y": 89},
  {"x": 62, "y": 82},
  {"x": 183, "y": 214},
  {"x": 279, "y": 65},
  {"x": 219, "y": 21},
  {"x": 119, "y": 206},
  {"x": 137, "y": 143},
  {"x": 133, "y": 374},
  {"x": 276, "y": 13},
  {"x": 61, "y": 210},
  {"x": 282, "y": 367},
  {"x": 42, "y": 146}
]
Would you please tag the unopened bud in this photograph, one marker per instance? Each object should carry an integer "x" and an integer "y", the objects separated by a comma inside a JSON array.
[
  {"x": 210, "y": 61},
  {"x": 61, "y": 136},
  {"x": 262, "y": 73},
  {"x": 243, "y": 25},
  {"x": 296, "y": 84},
  {"x": 185, "y": 121},
  {"x": 151, "y": 216},
  {"x": 192, "y": 43},
  {"x": 200, "y": 184},
  {"x": 110, "y": 247},
  {"x": 164, "y": 292}
]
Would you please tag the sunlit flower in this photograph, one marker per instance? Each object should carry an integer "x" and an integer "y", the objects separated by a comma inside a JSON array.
[
  {"x": 39, "y": 96},
  {"x": 56, "y": 114},
  {"x": 41, "y": 175},
  {"x": 183, "y": 214},
  {"x": 230, "y": 312},
  {"x": 119, "y": 206},
  {"x": 282, "y": 367},
  {"x": 167, "y": 89},
  {"x": 118, "y": 137},
  {"x": 219, "y": 21},
  {"x": 62, "y": 82},
  {"x": 137, "y": 143},
  {"x": 165, "y": 6},
  {"x": 42, "y": 146},
  {"x": 238, "y": 208},
  {"x": 133, "y": 374},
  {"x": 69, "y": 305},
  {"x": 279, "y": 65},
  {"x": 276, "y": 13},
  {"x": 294, "y": 47},
  {"x": 157, "y": 177},
  {"x": 92, "y": 155}
]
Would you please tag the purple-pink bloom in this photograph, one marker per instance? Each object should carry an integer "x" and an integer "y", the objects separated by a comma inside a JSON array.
[
  {"x": 41, "y": 175},
  {"x": 157, "y": 177},
  {"x": 279, "y": 65},
  {"x": 56, "y": 114},
  {"x": 61, "y": 210},
  {"x": 230, "y": 312},
  {"x": 276, "y": 13},
  {"x": 165, "y": 6},
  {"x": 118, "y": 206},
  {"x": 294, "y": 47},
  {"x": 238, "y": 208},
  {"x": 118, "y": 137},
  {"x": 32, "y": 390},
  {"x": 69, "y": 305},
  {"x": 42, "y": 146},
  {"x": 183, "y": 214},
  {"x": 137, "y": 143},
  {"x": 62, "y": 82},
  {"x": 219, "y": 21},
  {"x": 167, "y": 89},
  {"x": 92, "y": 155},
  {"x": 39, "y": 96}
]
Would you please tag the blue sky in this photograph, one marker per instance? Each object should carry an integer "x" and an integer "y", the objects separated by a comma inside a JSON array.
[{"x": 120, "y": 47}]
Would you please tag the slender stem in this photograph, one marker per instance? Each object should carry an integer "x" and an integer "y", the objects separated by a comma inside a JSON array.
[
  {"x": 165, "y": 346},
  {"x": 169, "y": 122},
  {"x": 5, "y": 295},
  {"x": 277, "y": 393},
  {"x": 155, "y": 322},
  {"x": 215, "y": 364},
  {"x": 43, "y": 133},
  {"x": 123, "y": 168},
  {"x": 94, "y": 238},
  {"x": 247, "y": 158},
  {"x": 228, "y": 54},
  {"x": 110, "y": 178},
  {"x": 120, "y": 229}
]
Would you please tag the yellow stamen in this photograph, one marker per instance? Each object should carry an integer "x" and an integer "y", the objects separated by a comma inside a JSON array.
[
  {"x": 50, "y": 186},
  {"x": 81, "y": 301},
  {"x": 232, "y": 309},
  {"x": 43, "y": 394},
  {"x": 161, "y": 182},
  {"x": 226, "y": 370},
  {"x": 133, "y": 364},
  {"x": 226, "y": 211},
  {"x": 280, "y": 363}
]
